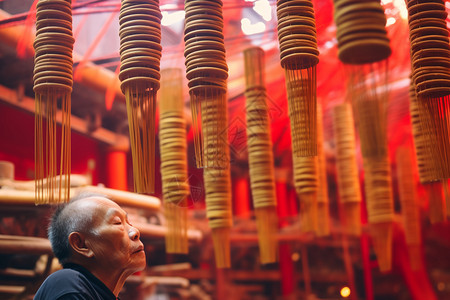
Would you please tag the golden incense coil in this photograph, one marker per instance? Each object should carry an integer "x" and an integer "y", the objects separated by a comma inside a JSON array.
[
  {"x": 421, "y": 146},
  {"x": 306, "y": 183},
  {"x": 206, "y": 67},
  {"x": 303, "y": 131},
  {"x": 260, "y": 155},
  {"x": 361, "y": 32},
  {"x": 217, "y": 177},
  {"x": 347, "y": 168},
  {"x": 382, "y": 239},
  {"x": 207, "y": 72},
  {"x": 323, "y": 213},
  {"x": 409, "y": 205},
  {"x": 140, "y": 54},
  {"x": 436, "y": 200},
  {"x": 380, "y": 208},
  {"x": 299, "y": 56},
  {"x": 219, "y": 212},
  {"x": 52, "y": 86},
  {"x": 371, "y": 120},
  {"x": 174, "y": 174},
  {"x": 430, "y": 51}
]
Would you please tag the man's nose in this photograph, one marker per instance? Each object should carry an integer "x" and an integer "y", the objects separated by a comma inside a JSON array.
[{"x": 134, "y": 233}]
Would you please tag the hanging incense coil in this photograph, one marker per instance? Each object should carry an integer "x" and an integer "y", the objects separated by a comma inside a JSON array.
[
  {"x": 306, "y": 183},
  {"x": 207, "y": 73},
  {"x": 372, "y": 126},
  {"x": 299, "y": 56},
  {"x": 409, "y": 205},
  {"x": 436, "y": 202},
  {"x": 140, "y": 54},
  {"x": 260, "y": 154},
  {"x": 430, "y": 54},
  {"x": 370, "y": 112},
  {"x": 380, "y": 208},
  {"x": 361, "y": 32},
  {"x": 323, "y": 213},
  {"x": 347, "y": 168},
  {"x": 174, "y": 174},
  {"x": 53, "y": 87},
  {"x": 206, "y": 67},
  {"x": 420, "y": 143},
  {"x": 364, "y": 47}
]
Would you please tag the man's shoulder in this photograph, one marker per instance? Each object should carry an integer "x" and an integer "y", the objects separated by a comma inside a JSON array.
[
  {"x": 66, "y": 277},
  {"x": 62, "y": 282}
]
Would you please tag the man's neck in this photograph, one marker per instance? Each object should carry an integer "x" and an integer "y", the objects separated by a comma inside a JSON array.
[{"x": 113, "y": 279}]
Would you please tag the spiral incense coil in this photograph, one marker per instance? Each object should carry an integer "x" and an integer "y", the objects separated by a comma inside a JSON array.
[
  {"x": 323, "y": 213},
  {"x": 140, "y": 54},
  {"x": 207, "y": 73},
  {"x": 422, "y": 148},
  {"x": 347, "y": 168},
  {"x": 380, "y": 208},
  {"x": 408, "y": 200},
  {"x": 300, "y": 107},
  {"x": 53, "y": 82},
  {"x": 299, "y": 56},
  {"x": 306, "y": 183},
  {"x": 219, "y": 212},
  {"x": 436, "y": 202},
  {"x": 206, "y": 68},
  {"x": 174, "y": 175},
  {"x": 361, "y": 32},
  {"x": 430, "y": 55},
  {"x": 378, "y": 189},
  {"x": 371, "y": 120},
  {"x": 260, "y": 155}
]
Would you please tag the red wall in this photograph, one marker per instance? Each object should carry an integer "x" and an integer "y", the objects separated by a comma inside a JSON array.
[{"x": 17, "y": 146}]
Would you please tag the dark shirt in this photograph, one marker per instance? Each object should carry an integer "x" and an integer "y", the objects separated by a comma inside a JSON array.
[{"x": 73, "y": 282}]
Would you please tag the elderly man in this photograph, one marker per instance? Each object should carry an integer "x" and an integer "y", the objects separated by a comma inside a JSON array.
[{"x": 98, "y": 248}]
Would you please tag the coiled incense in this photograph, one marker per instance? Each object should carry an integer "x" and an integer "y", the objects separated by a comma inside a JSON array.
[
  {"x": 347, "y": 168},
  {"x": 260, "y": 155},
  {"x": 140, "y": 54},
  {"x": 299, "y": 56},
  {"x": 52, "y": 86},
  {"x": 174, "y": 174}
]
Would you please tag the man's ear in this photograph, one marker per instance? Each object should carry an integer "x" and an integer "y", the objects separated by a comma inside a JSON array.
[{"x": 78, "y": 244}]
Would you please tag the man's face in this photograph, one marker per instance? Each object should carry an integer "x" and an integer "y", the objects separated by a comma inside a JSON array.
[{"x": 115, "y": 241}]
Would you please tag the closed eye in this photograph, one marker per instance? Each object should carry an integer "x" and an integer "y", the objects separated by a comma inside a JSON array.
[{"x": 117, "y": 221}]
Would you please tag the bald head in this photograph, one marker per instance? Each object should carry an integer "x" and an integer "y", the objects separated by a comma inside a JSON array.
[{"x": 75, "y": 216}]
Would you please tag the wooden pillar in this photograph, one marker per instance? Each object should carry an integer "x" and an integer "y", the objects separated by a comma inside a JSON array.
[{"x": 116, "y": 168}]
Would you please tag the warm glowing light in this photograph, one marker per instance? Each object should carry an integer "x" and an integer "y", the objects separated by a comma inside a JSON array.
[
  {"x": 345, "y": 292},
  {"x": 390, "y": 21},
  {"x": 262, "y": 7},
  {"x": 401, "y": 6},
  {"x": 441, "y": 286},
  {"x": 170, "y": 18},
  {"x": 248, "y": 28},
  {"x": 295, "y": 256}
]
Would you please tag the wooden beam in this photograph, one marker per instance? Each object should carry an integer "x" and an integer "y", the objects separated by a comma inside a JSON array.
[
  {"x": 9, "y": 289},
  {"x": 24, "y": 244}
]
